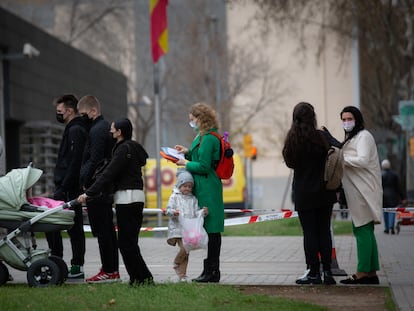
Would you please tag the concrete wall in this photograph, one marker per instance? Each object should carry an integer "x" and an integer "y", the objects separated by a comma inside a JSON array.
[{"x": 30, "y": 85}]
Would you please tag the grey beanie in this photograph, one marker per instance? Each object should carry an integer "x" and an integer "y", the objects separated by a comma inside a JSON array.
[
  {"x": 183, "y": 176},
  {"x": 385, "y": 164}
]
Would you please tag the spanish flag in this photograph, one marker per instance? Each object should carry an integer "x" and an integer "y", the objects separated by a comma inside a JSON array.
[{"x": 159, "y": 31}]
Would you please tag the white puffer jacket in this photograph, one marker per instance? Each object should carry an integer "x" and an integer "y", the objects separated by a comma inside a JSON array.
[{"x": 186, "y": 205}]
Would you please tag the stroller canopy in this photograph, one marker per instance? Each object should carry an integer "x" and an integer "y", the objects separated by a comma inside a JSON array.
[{"x": 13, "y": 187}]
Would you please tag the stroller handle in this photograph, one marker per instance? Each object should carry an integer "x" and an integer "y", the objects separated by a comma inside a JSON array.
[{"x": 71, "y": 204}]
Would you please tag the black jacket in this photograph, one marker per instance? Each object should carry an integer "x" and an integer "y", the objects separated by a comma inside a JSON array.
[
  {"x": 98, "y": 149},
  {"x": 68, "y": 163},
  {"x": 308, "y": 183},
  {"x": 392, "y": 191},
  {"x": 124, "y": 170}
]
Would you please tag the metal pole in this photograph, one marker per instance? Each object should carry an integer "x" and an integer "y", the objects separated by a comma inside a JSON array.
[
  {"x": 2, "y": 127},
  {"x": 246, "y": 174},
  {"x": 157, "y": 141},
  {"x": 408, "y": 177},
  {"x": 355, "y": 67},
  {"x": 251, "y": 183}
]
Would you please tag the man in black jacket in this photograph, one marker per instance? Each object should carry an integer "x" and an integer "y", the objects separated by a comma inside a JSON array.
[
  {"x": 97, "y": 152},
  {"x": 66, "y": 177},
  {"x": 393, "y": 194}
]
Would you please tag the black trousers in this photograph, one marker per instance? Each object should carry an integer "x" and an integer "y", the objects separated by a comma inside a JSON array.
[
  {"x": 100, "y": 216},
  {"x": 213, "y": 250},
  {"x": 77, "y": 240},
  {"x": 317, "y": 240},
  {"x": 129, "y": 219}
]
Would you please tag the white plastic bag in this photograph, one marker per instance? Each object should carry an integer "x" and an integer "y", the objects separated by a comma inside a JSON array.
[{"x": 194, "y": 234}]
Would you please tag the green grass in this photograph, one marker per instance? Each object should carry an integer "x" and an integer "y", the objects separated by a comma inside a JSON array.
[
  {"x": 178, "y": 296},
  {"x": 281, "y": 227}
]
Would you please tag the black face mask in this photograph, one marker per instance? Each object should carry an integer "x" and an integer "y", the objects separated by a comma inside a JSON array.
[
  {"x": 59, "y": 117},
  {"x": 86, "y": 119}
]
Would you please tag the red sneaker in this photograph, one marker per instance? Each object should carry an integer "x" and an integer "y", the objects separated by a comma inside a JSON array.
[{"x": 103, "y": 277}]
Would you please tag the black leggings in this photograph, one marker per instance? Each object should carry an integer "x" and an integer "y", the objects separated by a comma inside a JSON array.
[
  {"x": 317, "y": 240},
  {"x": 213, "y": 250}
]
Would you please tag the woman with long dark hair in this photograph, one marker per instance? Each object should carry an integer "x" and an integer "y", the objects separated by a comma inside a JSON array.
[
  {"x": 124, "y": 174},
  {"x": 305, "y": 152}
]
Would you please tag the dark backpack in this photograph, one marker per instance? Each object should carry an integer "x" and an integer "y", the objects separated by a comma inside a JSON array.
[
  {"x": 334, "y": 168},
  {"x": 225, "y": 165}
]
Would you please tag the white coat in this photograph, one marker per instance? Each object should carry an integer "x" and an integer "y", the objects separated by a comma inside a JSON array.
[
  {"x": 186, "y": 205},
  {"x": 362, "y": 179}
]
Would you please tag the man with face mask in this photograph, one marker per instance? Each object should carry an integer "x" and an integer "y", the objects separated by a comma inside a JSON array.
[
  {"x": 97, "y": 152},
  {"x": 66, "y": 178}
]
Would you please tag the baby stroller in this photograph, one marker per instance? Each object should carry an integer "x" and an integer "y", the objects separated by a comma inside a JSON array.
[
  {"x": 21, "y": 218},
  {"x": 404, "y": 218}
]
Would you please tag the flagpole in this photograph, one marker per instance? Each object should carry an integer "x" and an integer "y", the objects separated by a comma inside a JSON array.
[{"x": 157, "y": 140}]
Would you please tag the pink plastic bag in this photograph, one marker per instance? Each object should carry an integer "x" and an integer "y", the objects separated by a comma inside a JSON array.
[{"x": 194, "y": 234}]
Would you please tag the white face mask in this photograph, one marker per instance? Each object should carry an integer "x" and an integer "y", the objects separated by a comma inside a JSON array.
[
  {"x": 193, "y": 124},
  {"x": 348, "y": 125}
]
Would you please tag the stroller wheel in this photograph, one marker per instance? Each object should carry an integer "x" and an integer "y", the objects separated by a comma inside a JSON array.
[
  {"x": 4, "y": 274},
  {"x": 43, "y": 273},
  {"x": 63, "y": 267}
]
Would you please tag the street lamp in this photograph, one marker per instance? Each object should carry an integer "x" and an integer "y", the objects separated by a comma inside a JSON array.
[{"x": 28, "y": 51}]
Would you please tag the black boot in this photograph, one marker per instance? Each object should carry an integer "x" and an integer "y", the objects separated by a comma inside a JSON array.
[
  {"x": 212, "y": 275},
  {"x": 202, "y": 276}
]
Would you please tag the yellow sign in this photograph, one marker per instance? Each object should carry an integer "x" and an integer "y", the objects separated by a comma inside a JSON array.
[
  {"x": 234, "y": 189},
  {"x": 247, "y": 145}
]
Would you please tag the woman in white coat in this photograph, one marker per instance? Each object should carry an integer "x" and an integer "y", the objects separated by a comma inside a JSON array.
[{"x": 363, "y": 192}]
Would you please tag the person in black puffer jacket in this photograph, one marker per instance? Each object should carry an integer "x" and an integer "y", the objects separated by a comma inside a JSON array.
[
  {"x": 97, "y": 153},
  {"x": 393, "y": 194},
  {"x": 124, "y": 172},
  {"x": 66, "y": 175}
]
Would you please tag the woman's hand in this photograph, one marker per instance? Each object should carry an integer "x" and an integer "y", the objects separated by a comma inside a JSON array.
[
  {"x": 82, "y": 198},
  {"x": 181, "y": 162},
  {"x": 181, "y": 149}
]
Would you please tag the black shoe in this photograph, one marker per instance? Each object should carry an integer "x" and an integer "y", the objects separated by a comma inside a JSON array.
[
  {"x": 354, "y": 280},
  {"x": 328, "y": 279},
  {"x": 211, "y": 276},
  {"x": 386, "y": 231},
  {"x": 310, "y": 279},
  {"x": 392, "y": 231},
  {"x": 202, "y": 276},
  {"x": 374, "y": 280}
]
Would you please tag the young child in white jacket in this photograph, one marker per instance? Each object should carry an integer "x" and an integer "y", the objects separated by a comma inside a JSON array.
[{"x": 181, "y": 202}]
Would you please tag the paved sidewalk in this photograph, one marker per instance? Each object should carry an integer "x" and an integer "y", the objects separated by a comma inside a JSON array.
[{"x": 269, "y": 261}]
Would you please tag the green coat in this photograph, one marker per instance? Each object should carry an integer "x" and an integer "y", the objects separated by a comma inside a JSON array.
[{"x": 207, "y": 186}]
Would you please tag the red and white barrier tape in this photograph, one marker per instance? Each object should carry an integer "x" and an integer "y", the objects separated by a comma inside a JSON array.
[
  {"x": 249, "y": 219},
  {"x": 228, "y": 222}
]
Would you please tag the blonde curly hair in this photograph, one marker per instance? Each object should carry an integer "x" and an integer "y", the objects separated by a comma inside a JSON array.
[{"x": 206, "y": 116}]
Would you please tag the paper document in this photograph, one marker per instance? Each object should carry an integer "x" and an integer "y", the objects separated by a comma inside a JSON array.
[{"x": 171, "y": 154}]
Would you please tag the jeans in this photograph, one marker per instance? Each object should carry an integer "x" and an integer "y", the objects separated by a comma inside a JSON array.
[{"x": 389, "y": 219}]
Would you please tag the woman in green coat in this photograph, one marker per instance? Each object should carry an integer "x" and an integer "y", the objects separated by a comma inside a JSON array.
[{"x": 200, "y": 161}]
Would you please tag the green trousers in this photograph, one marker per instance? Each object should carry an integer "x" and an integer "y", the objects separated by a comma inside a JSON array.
[{"x": 367, "y": 248}]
